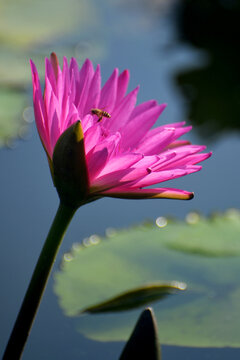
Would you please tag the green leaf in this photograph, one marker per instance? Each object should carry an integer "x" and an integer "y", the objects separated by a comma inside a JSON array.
[{"x": 203, "y": 253}]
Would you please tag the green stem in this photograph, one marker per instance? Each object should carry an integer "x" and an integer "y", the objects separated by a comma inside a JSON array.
[{"x": 37, "y": 284}]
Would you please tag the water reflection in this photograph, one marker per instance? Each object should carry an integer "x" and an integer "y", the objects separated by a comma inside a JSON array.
[{"x": 212, "y": 91}]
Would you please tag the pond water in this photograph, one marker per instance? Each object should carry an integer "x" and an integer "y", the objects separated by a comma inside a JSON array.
[{"x": 144, "y": 37}]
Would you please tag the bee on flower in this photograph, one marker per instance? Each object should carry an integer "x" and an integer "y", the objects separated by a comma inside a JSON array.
[{"x": 100, "y": 113}]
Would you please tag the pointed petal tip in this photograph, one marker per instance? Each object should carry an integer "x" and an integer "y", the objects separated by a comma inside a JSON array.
[
  {"x": 191, "y": 196},
  {"x": 183, "y": 195},
  {"x": 87, "y": 62},
  {"x": 54, "y": 58},
  {"x": 35, "y": 78},
  {"x": 125, "y": 73},
  {"x": 33, "y": 66},
  {"x": 55, "y": 63}
]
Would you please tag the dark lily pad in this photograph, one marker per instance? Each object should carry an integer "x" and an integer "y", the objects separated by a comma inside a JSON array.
[{"x": 203, "y": 253}]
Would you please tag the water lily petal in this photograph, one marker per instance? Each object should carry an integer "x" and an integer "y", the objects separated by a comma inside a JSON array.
[
  {"x": 165, "y": 175},
  {"x": 143, "y": 123},
  {"x": 120, "y": 162},
  {"x": 109, "y": 93},
  {"x": 94, "y": 92},
  {"x": 122, "y": 112},
  {"x": 157, "y": 142},
  {"x": 156, "y": 193},
  {"x": 122, "y": 86}
]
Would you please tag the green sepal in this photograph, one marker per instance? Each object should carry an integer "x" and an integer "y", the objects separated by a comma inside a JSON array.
[{"x": 70, "y": 172}]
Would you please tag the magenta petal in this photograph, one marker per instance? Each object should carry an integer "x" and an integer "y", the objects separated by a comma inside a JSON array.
[
  {"x": 87, "y": 122},
  {"x": 156, "y": 193},
  {"x": 75, "y": 81},
  {"x": 122, "y": 112},
  {"x": 109, "y": 93},
  {"x": 165, "y": 175},
  {"x": 94, "y": 92},
  {"x": 178, "y": 143},
  {"x": 49, "y": 75},
  {"x": 143, "y": 123},
  {"x": 122, "y": 86},
  {"x": 163, "y": 158},
  {"x": 139, "y": 109},
  {"x": 85, "y": 77},
  {"x": 92, "y": 137},
  {"x": 55, "y": 131},
  {"x": 39, "y": 109},
  {"x": 181, "y": 131},
  {"x": 188, "y": 160},
  {"x": 40, "y": 119},
  {"x": 147, "y": 161},
  {"x": 117, "y": 178},
  {"x": 96, "y": 162},
  {"x": 120, "y": 162},
  {"x": 157, "y": 142},
  {"x": 65, "y": 101},
  {"x": 99, "y": 155},
  {"x": 179, "y": 155},
  {"x": 110, "y": 180},
  {"x": 158, "y": 129}
]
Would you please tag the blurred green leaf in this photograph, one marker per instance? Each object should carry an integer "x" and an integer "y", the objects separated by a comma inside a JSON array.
[
  {"x": 12, "y": 123},
  {"x": 204, "y": 253},
  {"x": 36, "y": 21},
  {"x": 39, "y": 28}
]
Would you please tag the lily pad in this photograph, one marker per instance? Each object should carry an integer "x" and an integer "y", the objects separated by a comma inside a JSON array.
[
  {"x": 39, "y": 28},
  {"x": 13, "y": 120},
  {"x": 201, "y": 252},
  {"x": 36, "y": 21}
]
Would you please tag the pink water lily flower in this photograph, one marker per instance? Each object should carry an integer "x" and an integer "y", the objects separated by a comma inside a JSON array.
[{"x": 123, "y": 154}]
